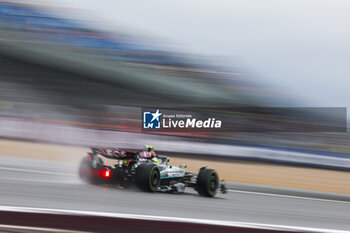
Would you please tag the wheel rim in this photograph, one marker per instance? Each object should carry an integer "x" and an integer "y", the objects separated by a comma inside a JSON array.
[
  {"x": 154, "y": 178},
  {"x": 213, "y": 182}
]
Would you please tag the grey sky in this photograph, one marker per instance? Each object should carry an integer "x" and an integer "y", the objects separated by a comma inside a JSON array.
[{"x": 301, "y": 45}]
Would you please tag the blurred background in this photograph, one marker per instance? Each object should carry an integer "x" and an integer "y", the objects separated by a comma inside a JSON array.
[
  {"x": 77, "y": 74},
  {"x": 94, "y": 65}
]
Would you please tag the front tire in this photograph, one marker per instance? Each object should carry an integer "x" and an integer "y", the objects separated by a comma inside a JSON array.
[
  {"x": 148, "y": 177},
  {"x": 207, "y": 182}
]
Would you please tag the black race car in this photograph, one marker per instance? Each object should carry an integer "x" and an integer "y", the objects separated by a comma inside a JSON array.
[{"x": 149, "y": 171}]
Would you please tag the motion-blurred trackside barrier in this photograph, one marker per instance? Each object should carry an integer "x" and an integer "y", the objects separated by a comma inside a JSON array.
[
  {"x": 166, "y": 86},
  {"x": 25, "y": 129},
  {"x": 89, "y": 221}
]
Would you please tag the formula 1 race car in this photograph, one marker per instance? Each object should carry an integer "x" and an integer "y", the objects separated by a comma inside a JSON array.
[{"x": 149, "y": 171}]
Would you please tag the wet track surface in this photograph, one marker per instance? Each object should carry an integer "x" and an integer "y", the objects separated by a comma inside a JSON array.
[{"x": 35, "y": 183}]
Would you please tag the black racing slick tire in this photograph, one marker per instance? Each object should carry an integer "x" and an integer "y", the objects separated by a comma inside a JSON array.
[
  {"x": 148, "y": 177},
  {"x": 207, "y": 182},
  {"x": 87, "y": 170}
]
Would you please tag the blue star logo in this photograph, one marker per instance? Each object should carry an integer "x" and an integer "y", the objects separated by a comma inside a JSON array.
[{"x": 151, "y": 120}]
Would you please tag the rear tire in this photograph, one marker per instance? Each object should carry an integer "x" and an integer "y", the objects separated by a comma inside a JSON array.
[
  {"x": 207, "y": 182},
  {"x": 85, "y": 169},
  {"x": 87, "y": 172},
  {"x": 148, "y": 177}
]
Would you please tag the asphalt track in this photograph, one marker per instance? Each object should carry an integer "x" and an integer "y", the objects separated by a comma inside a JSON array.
[{"x": 54, "y": 185}]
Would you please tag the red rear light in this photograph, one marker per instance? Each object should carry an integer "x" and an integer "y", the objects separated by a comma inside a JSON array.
[{"x": 106, "y": 173}]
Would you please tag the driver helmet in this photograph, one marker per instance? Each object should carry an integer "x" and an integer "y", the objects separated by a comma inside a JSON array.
[{"x": 150, "y": 148}]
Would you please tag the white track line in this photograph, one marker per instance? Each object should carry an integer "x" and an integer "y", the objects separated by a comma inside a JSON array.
[
  {"x": 170, "y": 219},
  {"x": 289, "y": 196},
  {"x": 37, "y": 229},
  {"x": 51, "y": 181},
  {"x": 35, "y": 171}
]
